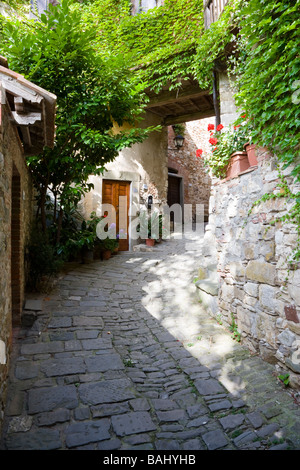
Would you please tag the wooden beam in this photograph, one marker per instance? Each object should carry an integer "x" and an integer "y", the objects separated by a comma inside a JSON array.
[
  {"x": 16, "y": 89},
  {"x": 26, "y": 119},
  {"x": 3, "y": 62},
  {"x": 2, "y": 95},
  {"x": 169, "y": 120},
  {"x": 19, "y": 105},
  {"x": 168, "y": 97}
]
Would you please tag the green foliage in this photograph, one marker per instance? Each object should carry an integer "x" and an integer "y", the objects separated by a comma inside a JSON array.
[
  {"x": 285, "y": 379},
  {"x": 233, "y": 328},
  {"x": 223, "y": 144},
  {"x": 109, "y": 244},
  {"x": 179, "y": 129},
  {"x": 217, "y": 43},
  {"x": 41, "y": 259},
  {"x": 96, "y": 96},
  {"x": 268, "y": 71},
  {"x": 22, "y": 6},
  {"x": 78, "y": 234},
  {"x": 159, "y": 44},
  {"x": 150, "y": 224},
  {"x": 99, "y": 41}
]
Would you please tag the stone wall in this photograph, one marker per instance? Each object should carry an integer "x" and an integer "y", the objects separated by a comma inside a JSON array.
[
  {"x": 245, "y": 275},
  {"x": 228, "y": 110},
  {"x": 196, "y": 181},
  {"x": 15, "y": 217}
]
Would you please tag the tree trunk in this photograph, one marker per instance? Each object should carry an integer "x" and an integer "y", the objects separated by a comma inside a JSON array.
[{"x": 59, "y": 225}]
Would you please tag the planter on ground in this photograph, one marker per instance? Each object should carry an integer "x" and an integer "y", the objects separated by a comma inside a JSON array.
[{"x": 106, "y": 254}]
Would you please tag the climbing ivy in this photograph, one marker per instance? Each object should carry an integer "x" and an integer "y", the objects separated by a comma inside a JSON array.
[
  {"x": 268, "y": 87},
  {"x": 160, "y": 44},
  {"x": 267, "y": 71},
  {"x": 218, "y": 43},
  {"x": 94, "y": 93},
  {"x": 257, "y": 39}
]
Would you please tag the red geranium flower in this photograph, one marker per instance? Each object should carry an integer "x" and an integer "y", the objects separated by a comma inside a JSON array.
[
  {"x": 210, "y": 127},
  {"x": 213, "y": 141},
  {"x": 243, "y": 116},
  {"x": 220, "y": 127},
  {"x": 199, "y": 152}
]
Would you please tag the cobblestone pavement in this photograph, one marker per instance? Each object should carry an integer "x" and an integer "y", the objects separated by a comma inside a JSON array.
[{"x": 122, "y": 357}]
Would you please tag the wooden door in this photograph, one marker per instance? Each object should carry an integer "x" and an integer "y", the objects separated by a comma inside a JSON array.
[
  {"x": 117, "y": 193},
  {"x": 174, "y": 192}
]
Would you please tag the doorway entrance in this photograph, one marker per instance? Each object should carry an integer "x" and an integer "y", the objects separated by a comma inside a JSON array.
[
  {"x": 117, "y": 193},
  {"x": 175, "y": 192}
]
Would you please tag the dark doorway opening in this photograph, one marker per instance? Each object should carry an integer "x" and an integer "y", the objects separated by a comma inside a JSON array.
[{"x": 175, "y": 192}]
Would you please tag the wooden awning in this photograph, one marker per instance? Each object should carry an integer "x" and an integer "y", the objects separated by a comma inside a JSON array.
[
  {"x": 32, "y": 110},
  {"x": 189, "y": 103}
]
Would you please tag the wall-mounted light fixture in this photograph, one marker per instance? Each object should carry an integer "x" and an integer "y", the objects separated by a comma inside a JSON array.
[
  {"x": 179, "y": 139},
  {"x": 150, "y": 201}
]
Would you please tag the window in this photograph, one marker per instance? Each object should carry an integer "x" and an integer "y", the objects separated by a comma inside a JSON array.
[{"x": 140, "y": 6}]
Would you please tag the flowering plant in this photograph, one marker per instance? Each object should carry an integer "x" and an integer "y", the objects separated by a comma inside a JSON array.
[{"x": 223, "y": 145}]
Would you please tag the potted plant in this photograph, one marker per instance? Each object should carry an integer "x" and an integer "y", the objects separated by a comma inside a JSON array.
[
  {"x": 86, "y": 239},
  {"x": 238, "y": 157},
  {"x": 109, "y": 244},
  {"x": 149, "y": 226},
  {"x": 228, "y": 157},
  {"x": 251, "y": 153}
]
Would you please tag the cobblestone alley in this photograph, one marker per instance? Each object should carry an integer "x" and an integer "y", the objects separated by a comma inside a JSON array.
[{"x": 122, "y": 357}]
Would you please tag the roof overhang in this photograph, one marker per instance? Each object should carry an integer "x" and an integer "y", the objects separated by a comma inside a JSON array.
[
  {"x": 187, "y": 103},
  {"x": 32, "y": 110}
]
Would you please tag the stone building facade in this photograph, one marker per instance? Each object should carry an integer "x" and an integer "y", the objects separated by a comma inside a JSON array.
[
  {"x": 15, "y": 216},
  {"x": 245, "y": 279},
  {"x": 144, "y": 167},
  {"x": 148, "y": 167},
  {"x": 16, "y": 197},
  {"x": 186, "y": 164}
]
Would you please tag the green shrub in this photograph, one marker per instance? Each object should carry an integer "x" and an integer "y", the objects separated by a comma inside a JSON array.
[{"x": 42, "y": 261}]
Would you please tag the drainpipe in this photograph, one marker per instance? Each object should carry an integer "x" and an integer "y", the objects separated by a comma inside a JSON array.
[{"x": 215, "y": 98}]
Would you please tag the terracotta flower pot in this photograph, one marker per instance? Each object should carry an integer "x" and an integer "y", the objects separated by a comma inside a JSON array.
[
  {"x": 150, "y": 241},
  {"x": 106, "y": 254},
  {"x": 238, "y": 163},
  {"x": 251, "y": 153}
]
